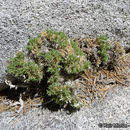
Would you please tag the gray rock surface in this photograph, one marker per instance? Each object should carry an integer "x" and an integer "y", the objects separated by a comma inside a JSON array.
[
  {"x": 113, "y": 109},
  {"x": 22, "y": 19}
]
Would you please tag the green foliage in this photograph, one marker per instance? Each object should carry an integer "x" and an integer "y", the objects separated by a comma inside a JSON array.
[
  {"x": 62, "y": 95},
  {"x": 73, "y": 62},
  {"x": 17, "y": 65},
  {"x": 33, "y": 72},
  {"x": 104, "y": 47},
  {"x": 73, "y": 66},
  {"x": 53, "y": 56},
  {"x": 30, "y": 71},
  {"x": 34, "y": 47},
  {"x": 58, "y": 38},
  {"x": 77, "y": 50},
  {"x": 60, "y": 60},
  {"x": 59, "y": 93},
  {"x": 32, "y": 44}
]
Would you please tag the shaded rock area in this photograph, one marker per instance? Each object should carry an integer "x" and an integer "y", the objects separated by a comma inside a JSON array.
[
  {"x": 21, "y": 20},
  {"x": 113, "y": 109}
]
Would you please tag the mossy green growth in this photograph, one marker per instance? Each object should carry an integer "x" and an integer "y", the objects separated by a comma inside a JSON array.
[
  {"x": 29, "y": 71},
  {"x": 77, "y": 50},
  {"x": 61, "y": 94},
  {"x": 74, "y": 65},
  {"x": 34, "y": 43},
  {"x": 17, "y": 65},
  {"x": 58, "y": 38},
  {"x": 68, "y": 57},
  {"x": 104, "y": 47},
  {"x": 64, "y": 56},
  {"x": 34, "y": 47}
]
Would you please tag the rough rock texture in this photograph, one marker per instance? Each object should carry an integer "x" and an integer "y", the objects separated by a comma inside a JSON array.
[
  {"x": 22, "y": 19},
  {"x": 113, "y": 109}
]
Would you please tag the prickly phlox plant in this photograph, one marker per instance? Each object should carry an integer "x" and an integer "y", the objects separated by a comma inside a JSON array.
[
  {"x": 62, "y": 58},
  {"x": 104, "y": 47},
  {"x": 28, "y": 70}
]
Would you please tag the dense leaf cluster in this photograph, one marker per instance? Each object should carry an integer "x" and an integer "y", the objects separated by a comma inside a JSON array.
[
  {"x": 64, "y": 57},
  {"x": 28, "y": 70},
  {"x": 104, "y": 47}
]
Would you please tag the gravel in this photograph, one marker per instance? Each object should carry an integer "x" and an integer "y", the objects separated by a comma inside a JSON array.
[{"x": 22, "y": 19}]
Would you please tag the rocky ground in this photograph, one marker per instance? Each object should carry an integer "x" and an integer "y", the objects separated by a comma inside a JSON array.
[
  {"x": 22, "y": 19},
  {"x": 113, "y": 109}
]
